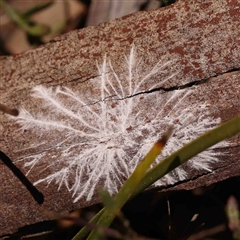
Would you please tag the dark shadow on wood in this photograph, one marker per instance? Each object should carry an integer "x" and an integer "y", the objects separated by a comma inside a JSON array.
[{"x": 36, "y": 194}]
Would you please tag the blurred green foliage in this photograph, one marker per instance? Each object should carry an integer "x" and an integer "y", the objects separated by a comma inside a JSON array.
[
  {"x": 167, "y": 2},
  {"x": 34, "y": 31}
]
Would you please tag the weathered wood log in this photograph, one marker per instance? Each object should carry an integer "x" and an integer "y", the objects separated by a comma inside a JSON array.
[{"x": 93, "y": 101}]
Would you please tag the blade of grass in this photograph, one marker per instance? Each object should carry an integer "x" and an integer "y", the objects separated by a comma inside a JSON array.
[
  {"x": 218, "y": 134},
  {"x": 23, "y": 22},
  {"x": 36, "y": 9},
  {"x": 127, "y": 189},
  {"x": 107, "y": 200},
  {"x": 84, "y": 232}
]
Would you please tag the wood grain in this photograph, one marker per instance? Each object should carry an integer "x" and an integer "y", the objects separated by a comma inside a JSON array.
[{"x": 202, "y": 38}]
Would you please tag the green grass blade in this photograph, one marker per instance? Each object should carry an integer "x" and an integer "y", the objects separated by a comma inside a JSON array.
[
  {"x": 132, "y": 182},
  {"x": 24, "y": 23},
  {"x": 220, "y": 133},
  {"x": 36, "y": 9},
  {"x": 84, "y": 232}
]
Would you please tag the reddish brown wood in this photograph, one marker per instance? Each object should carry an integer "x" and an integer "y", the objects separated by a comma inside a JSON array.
[{"x": 186, "y": 32}]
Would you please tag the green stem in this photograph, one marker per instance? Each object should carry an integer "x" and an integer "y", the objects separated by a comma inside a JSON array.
[
  {"x": 24, "y": 22},
  {"x": 132, "y": 182},
  {"x": 207, "y": 140},
  {"x": 220, "y": 133}
]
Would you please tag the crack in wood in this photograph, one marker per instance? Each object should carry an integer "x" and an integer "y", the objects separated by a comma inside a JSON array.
[{"x": 180, "y": 87}]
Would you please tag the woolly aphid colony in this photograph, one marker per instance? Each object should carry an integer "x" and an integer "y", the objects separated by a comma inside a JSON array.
[{"x": 101, "y": 143}]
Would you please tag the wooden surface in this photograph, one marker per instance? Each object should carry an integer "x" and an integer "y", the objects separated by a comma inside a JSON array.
[{"x": 202, "y": 42}]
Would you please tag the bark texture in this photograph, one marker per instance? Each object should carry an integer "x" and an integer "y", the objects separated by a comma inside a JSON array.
[{"x": 202, "y": 38}]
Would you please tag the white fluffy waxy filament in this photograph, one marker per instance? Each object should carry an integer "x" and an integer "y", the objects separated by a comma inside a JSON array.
[{"x": 101, "y": 139}]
